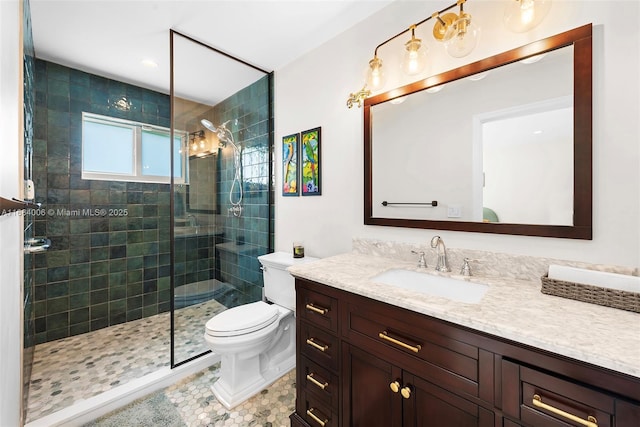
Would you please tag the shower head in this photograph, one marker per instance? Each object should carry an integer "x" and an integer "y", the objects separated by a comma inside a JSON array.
[
  {"x": 224, "y": 135},
  {"x": 207, "y": 124}
]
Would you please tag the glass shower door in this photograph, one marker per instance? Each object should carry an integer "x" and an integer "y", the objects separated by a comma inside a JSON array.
[{"x": 221, "y": 107}]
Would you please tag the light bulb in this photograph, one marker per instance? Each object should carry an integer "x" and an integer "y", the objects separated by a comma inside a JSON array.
[
  {"x": 415, "y": 56},
  {"x": 523, "y": 15},
  {"x": 461, "y": 36},
  {"x": 375, "y": 75}
]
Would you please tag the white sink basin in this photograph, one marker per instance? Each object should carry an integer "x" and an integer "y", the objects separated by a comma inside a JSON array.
[{"x": 447, "y": 287}]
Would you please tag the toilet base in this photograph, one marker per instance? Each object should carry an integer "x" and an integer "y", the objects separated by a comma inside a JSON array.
[{"x": 230, "y": 399}]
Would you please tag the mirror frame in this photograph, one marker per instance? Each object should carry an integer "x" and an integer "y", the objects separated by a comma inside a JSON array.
[{"x": 581, "y": 40}]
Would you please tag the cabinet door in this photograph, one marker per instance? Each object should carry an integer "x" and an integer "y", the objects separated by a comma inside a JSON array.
[
  {"x": 431, "y": 406},
  {"x": 368, "y": 398}
]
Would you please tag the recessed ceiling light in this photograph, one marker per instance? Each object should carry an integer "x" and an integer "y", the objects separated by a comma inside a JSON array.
[{"x": 149, "y": 63}]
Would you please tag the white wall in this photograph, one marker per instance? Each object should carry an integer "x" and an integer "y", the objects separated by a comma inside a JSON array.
[
  {"x": 10, "y": 225},
  {"x": 312, "y": 91}
]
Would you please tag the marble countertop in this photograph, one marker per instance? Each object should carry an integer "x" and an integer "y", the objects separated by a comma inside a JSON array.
[{"x": 513, "y": 309}]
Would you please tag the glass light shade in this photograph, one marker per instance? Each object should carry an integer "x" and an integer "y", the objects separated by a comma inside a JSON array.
[
  {"x": 375, "y": 74},
  {"x": 461, "y": 37},
  {"x": 415, "y": 57},
  {"x": 523, "y": 15}
]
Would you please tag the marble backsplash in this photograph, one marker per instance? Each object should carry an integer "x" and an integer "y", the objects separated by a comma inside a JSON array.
[{"x": 484, "y": 263}]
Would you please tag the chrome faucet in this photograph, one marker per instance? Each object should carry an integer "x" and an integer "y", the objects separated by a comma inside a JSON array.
[
  {"x": 422, "y": 263},
  {"x": 438, "y": 244},
  {"x": 193, "y": 222}
]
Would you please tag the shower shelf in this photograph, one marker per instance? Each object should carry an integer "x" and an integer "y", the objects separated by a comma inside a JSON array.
[{"x": 8, "y": 206}]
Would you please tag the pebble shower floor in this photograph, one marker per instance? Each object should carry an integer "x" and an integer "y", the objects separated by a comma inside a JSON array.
[{"x": 74, "y": 368}]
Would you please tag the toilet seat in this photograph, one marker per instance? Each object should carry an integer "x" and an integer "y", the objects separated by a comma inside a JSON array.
[{"x": 242, "y": 320}]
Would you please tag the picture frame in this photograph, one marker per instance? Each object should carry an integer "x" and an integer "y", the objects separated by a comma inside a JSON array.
[
  {"x": 290, "y": 162},
  {"x": 311, "y": 140}
]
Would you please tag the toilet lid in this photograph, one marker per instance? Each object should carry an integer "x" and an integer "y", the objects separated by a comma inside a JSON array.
[{"x": 242, "y": 319}]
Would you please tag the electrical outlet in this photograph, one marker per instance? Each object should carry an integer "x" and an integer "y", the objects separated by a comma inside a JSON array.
[{"x": 454, "y": 211}]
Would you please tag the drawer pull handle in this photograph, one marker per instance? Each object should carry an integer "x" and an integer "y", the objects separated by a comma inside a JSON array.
[
  {"x": 315, "y": 309},
  {"x": 589, "y": 422},
  {"x": 311, "y": 378},
  {"x": 315, "y": 417},
  {"x": 415, "y": 348},
  {"x": 315, "y": 345}
]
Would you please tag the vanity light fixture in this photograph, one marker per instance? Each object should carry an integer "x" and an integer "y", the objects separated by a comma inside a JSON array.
[
  {"x": 376, "y": 77},
  {"x": 415, "y": 56},
  {"x": 457, "y": 31},
  {"x": 523, "y": 15},
  {"x": 358, "y": 97},
  {"x": 199, "y": 146}
]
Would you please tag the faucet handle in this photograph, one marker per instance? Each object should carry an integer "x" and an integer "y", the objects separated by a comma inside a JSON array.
[
  {"x": 466, "y": 268},
  {"x": 422, "y": 263}
]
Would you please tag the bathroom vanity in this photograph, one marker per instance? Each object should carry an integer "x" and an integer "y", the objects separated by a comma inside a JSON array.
[{"x": 374, "y": 355}]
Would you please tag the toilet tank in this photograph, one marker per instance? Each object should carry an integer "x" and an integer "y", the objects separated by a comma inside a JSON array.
[{"x": 279, "y": 285}]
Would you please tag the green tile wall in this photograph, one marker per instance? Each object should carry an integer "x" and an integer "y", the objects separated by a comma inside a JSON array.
[
  {"x": 101, "y": 269},
  {"x": 106, "y": 270},
  {"x": 250, "y": 108}
]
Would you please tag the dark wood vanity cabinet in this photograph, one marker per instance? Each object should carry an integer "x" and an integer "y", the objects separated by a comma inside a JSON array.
[{"x": 365, "y": 363}]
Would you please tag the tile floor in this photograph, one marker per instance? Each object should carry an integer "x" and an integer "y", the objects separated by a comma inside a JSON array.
[
  {"x": 74, "y": 368},
  {"x": 196, "y": 406}
]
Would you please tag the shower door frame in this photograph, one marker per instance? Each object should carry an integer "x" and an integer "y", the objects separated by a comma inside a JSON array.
[{"x": 270, "y": 192}]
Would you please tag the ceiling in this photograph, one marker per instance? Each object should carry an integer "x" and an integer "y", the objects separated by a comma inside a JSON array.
[{"x": 111, "y": 38}]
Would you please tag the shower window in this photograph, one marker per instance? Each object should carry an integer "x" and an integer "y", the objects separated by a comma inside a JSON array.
[
  {"x": 255, "y": 171},
  {"x": 124, "y": 150}
]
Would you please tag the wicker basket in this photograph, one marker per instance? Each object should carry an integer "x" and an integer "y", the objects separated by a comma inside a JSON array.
[{"x": 622, "y": 300}]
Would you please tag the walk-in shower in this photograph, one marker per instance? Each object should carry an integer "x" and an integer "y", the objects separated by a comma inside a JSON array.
[{"x": 142, "y": 265}]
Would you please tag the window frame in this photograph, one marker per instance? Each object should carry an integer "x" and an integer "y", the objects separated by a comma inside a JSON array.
[{"x": 138, "y": 128}]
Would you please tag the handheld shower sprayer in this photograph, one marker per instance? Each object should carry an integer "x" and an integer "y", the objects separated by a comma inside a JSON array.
[{"x": 225, "y": 136}]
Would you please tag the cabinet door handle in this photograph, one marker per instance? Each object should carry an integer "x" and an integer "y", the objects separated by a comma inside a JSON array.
[
  {"x": 385, "y": 336},
  {"x": 406, "y": 392},
  {"x": 315, "y": 309},
  {"x": 311, "y": 378},
  {"x": 589, "y": 422},
  {"x": 395, "y": 386},
  {"x": 315, "y": 345},
  {"x": 316, "y": 418}
]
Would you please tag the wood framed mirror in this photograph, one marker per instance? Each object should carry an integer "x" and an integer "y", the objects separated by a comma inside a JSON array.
[{"x": 463, "y": 147}]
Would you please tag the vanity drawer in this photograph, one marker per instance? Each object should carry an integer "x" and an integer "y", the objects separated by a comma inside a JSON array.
[
  {"x": 547, "y": 400},
  {"x": 316, "y": 412},
  {"x": 319, "y": 381},
  {"x": 316, "y": 308},
  {"x": 318, "y": 345},
  {"x": 414, "y": 344}
]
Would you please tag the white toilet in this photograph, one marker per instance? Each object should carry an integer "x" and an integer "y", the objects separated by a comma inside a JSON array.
[{"x": 256, "y": 341}]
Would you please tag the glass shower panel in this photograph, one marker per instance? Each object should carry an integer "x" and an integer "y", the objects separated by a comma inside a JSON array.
[{"x": 220, "y": 215}]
